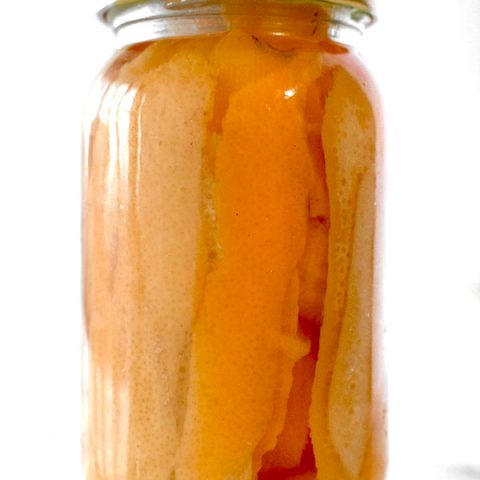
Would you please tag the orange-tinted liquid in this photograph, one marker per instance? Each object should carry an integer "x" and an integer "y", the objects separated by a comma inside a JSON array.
[{"x": 229, "y": 259}]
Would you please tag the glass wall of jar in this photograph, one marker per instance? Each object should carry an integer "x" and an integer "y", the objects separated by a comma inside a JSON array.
[{"x": 231, "y": 182}]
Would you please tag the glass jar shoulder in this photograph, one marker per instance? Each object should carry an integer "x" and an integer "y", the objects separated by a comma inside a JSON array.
[{"x": 234, "y": 60}]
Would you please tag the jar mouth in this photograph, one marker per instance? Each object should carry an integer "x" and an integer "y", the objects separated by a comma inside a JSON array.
[{"x": 136, "y": 21}]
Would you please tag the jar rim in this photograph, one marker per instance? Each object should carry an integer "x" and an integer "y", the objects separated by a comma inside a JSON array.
[
  {"x": 136, "y": 21},
  {"x": 363, "y": 7}
]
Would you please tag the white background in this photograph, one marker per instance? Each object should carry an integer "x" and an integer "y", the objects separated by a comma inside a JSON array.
[{"x": 426, "y": 57}]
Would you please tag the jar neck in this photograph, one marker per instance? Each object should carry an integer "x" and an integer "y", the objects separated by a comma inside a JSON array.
[{"x": 314, "y": 20}]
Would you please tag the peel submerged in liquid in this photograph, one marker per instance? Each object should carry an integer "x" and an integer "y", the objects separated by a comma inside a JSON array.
[{"x": 229, "y": 233}]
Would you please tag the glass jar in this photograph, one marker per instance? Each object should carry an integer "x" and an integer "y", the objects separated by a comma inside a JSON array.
[{"x": 231, "y": 179}]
